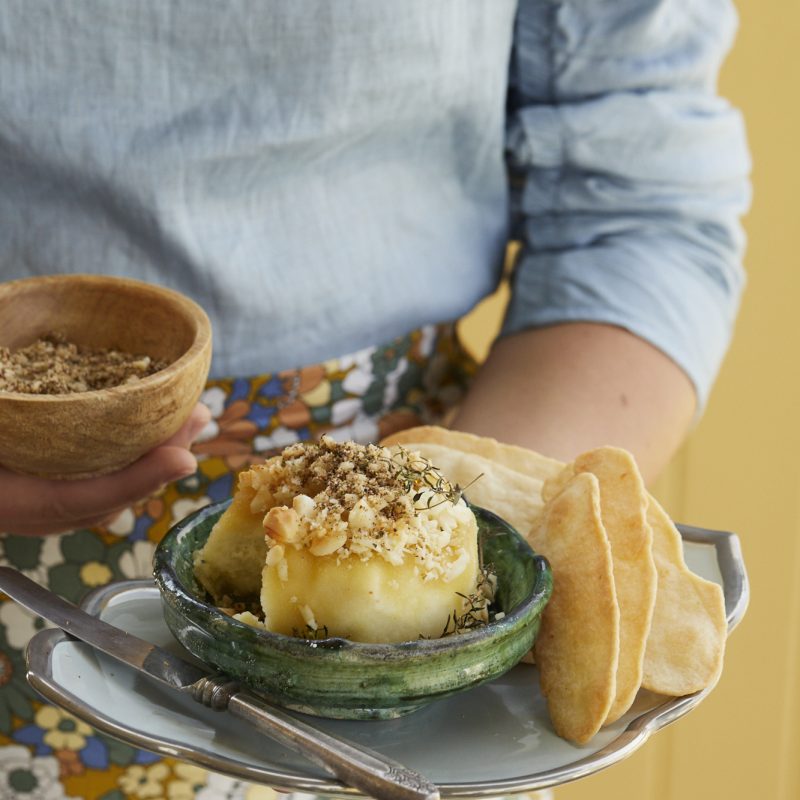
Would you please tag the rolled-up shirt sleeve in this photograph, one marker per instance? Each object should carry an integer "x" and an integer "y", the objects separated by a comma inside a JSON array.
[{"x": 629, "y": 174}]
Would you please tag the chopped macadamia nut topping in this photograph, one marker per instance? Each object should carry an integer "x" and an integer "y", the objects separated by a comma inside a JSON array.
[
  {"x": 339, "y": 539},
  {"x": 359, "y": 501},
  {"x": 249, "y": 619}
]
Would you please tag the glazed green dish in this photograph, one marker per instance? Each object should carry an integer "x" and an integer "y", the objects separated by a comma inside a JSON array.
[{"x": 342, "y": 679}]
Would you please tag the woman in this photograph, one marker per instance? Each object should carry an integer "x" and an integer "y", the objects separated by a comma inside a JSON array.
[{"x": 330, "y": 183}]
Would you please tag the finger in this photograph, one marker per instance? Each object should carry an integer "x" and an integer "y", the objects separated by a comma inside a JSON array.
[
  {"x": 51, "y": 506},
  {"x": 41, "y": 528},
  {"x": 107, "y": 493},
  {"x": 190, "y": 430}
]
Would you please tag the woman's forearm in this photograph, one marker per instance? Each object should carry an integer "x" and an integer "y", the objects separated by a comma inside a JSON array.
[{"x": 563, "y": 389}]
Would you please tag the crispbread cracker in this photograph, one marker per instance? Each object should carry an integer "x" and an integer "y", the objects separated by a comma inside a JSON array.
[
  {"x": 555, "y": 483},
  {"x": 623, "y": 507},
  {"x": 687, "y": 638},
  {"x": 682, "y": 650},
  {"x": 528, "y": 462},
  {"x": 578, "y": 644},
  {"x": 511, "y": 495}
]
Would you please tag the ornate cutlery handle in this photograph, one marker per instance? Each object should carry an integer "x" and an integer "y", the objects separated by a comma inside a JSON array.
[{"x": 364, "y": 769}]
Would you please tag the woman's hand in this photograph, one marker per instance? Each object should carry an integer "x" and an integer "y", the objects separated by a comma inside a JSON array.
[{"x": 37, "y": 506}]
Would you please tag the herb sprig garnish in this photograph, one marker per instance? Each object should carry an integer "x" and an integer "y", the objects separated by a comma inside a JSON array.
[
  {"x": 477, "y": 607},
  {"x": 417, "y": 473},
  {"x": 311, "y": 633},
  {"x": 475, "y": 615}
]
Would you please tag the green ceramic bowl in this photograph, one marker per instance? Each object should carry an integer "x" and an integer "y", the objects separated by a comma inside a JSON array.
[{"x": 341, "y": 679}]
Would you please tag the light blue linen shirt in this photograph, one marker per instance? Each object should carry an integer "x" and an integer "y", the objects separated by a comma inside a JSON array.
[{"x": 326, "y": 174}]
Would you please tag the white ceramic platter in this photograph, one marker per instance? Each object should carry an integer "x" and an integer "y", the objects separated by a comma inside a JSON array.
[{"x": 492, "y": 740}]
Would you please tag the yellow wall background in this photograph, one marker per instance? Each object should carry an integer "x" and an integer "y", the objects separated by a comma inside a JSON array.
[{"x": 740, "y": 469}]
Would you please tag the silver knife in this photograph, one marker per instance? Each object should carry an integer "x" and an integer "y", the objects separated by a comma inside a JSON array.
[{"x": 354, "y": 765}]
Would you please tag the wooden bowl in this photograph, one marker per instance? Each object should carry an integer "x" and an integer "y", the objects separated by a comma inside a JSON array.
[{"x": 92, "y": 433}]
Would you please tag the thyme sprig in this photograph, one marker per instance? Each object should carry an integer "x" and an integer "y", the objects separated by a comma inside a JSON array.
[
  {"x": 417, "y": 473},
  {"x": 311, "y": 633},
  {"x": 477, "y": 607},
  {"x": 475, "y": 615}
]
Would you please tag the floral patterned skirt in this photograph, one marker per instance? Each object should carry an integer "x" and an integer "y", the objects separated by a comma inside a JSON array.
[{"x": 46, "y": 753}]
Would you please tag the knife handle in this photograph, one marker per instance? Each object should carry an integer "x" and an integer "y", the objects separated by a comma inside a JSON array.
[{"x": 356, "y": 766}]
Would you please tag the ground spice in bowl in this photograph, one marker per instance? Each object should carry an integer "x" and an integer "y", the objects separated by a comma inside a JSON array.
[{"x": 52, "y": 365}]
